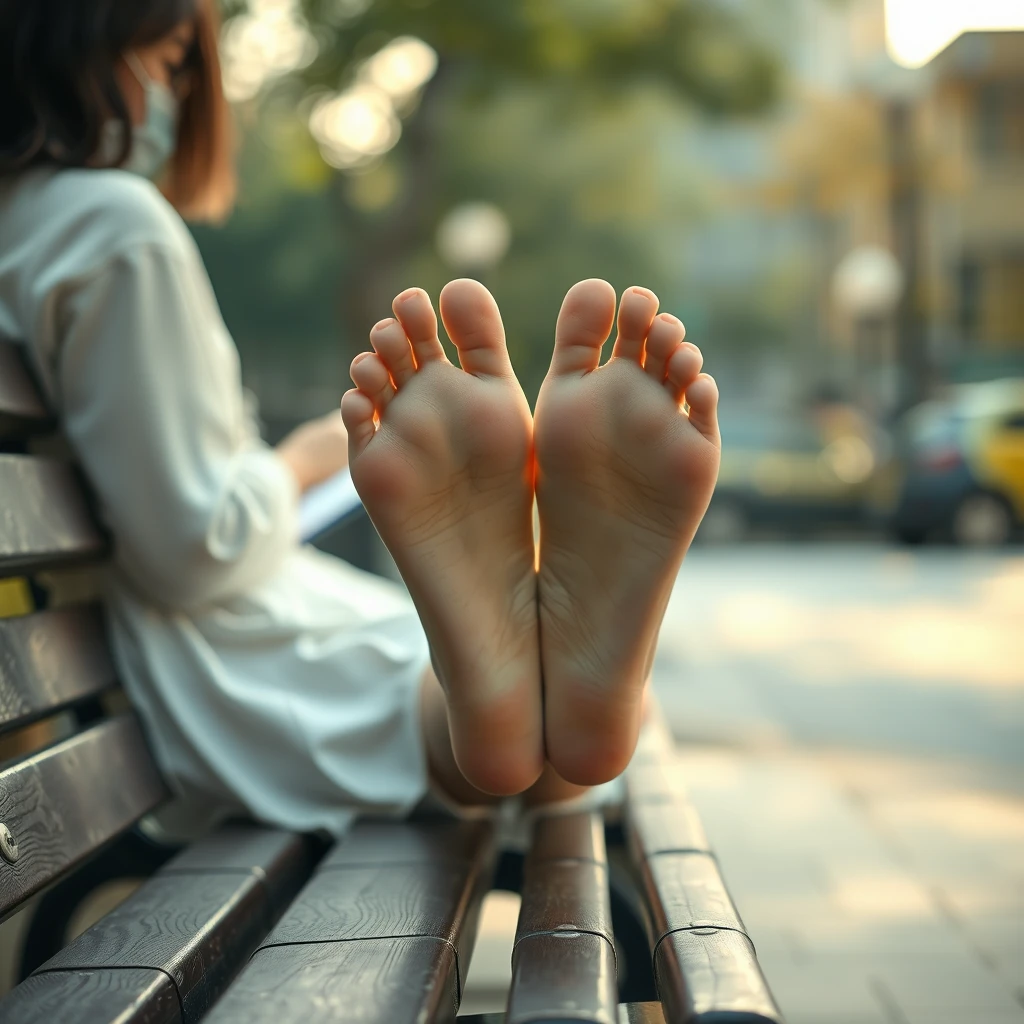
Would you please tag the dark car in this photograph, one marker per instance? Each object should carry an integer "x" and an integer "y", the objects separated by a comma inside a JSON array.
[{"x": 957, "y": 471}]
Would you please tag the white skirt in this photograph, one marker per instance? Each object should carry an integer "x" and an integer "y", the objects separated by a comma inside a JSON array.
[{"x": 297, "y": 704}]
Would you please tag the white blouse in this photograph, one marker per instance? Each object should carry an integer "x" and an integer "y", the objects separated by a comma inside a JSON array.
[{"x": 272, "y": 680}]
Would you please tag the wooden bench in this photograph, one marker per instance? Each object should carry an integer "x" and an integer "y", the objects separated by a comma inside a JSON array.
[{"x": 621, "y": 920}]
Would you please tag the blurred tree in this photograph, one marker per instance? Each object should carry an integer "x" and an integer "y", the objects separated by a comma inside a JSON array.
[{"x": 559, "y": 111}]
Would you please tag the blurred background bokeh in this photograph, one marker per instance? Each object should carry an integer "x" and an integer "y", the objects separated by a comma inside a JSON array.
[
  {"x": 831, "y": 194},
  {"x": 828, "y": 192}
]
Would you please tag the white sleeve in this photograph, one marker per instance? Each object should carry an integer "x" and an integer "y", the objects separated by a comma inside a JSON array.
[{"x": 151, "y": 398}]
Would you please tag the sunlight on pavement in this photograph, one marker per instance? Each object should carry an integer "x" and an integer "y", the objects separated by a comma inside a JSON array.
[{"x": 933, "y": 642}]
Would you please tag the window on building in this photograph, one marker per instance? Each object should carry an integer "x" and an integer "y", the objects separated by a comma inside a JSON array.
[{"x": 999, "y": 119}]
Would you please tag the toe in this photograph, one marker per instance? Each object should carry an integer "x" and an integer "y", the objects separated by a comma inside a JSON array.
[
  {"x": 683, "y": 365},
  {"x": 416, "y": 314},
  {"x": 584, "y": 324},
  {"x": 473, "y": 322},
  {"x": 370, "y": 375},
  {"x": 664, "y": 337},
  {"x": 702, "y": 398},
  {"x": 390, "y": 342},
  {"x": 637, "y": 310},
  {"x": 357, "y": 413}
]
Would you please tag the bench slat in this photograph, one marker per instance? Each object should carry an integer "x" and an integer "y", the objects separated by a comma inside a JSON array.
[
  {"x": 377, "y": 843},
  {"x": 198, "y": 919},
  {"x": 371, "y": 903},
  {"x": 569, "y": 837},
  {"x": 49, "y": 661},
  {"x": 704, "y": 962},
  {"x": 372, "y": 981},
  {"x": 712, "y": 975},
  {"x": 64, "y": 803},
  {"x": 22, "y": 410},
  {"x": 673, "y": 827},
  {"x": 563, "y": 978},
  {"x": 134, "y": 994},
  {"x": 690, "y": 893},
  {"x": 45, "y": 520},
  {"x": 563, "y": 961},
  {"x": 383, "y": 943},
  {"x": 281, "y": 861}
]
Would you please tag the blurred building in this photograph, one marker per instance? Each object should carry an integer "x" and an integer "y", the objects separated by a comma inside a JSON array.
[
  {"x": 926, "y": 163},
  {"x": 969, "y": 133}
]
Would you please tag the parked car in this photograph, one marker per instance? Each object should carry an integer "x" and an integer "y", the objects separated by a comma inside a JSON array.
[
  {"x": 797, "y": 473},
  {"x": 957, "y": 471}
]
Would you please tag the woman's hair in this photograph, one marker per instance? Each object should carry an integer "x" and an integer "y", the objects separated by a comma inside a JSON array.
[{"x": 58, "y": 89}]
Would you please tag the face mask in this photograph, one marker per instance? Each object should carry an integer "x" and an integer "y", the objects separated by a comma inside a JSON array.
[{"x": 153, "y": 141}]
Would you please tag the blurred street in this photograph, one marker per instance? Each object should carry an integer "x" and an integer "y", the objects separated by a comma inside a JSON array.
[{"x": 852, "y": 726}]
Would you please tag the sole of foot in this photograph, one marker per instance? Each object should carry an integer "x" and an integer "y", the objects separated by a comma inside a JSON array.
[
  {"x": 627, "y": 458},
  {"x": 442, "y": 458}
]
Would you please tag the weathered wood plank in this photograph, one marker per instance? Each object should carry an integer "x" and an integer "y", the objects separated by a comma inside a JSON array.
[
  {"x": 373, "y": 981},
  {"x": 371, "y": 903},
  {"x": 22, "y": 409},
  {"x": 565, "y": 882},
  {"x": 45, "y": 519},
  {"x": 65, "y": 802},
  {"x": 561, "y": 978},
  {"x": 198, "y": 929},
  {"x": 51, "y": 660},
  {"x": 704, "y": 963},
  {"x": 127, "y": 996},
  {"x": 198, "y": 919},
  {"x": 384, "y": 942},
  {"x": 561, "y": 896},
  {"x": 563, "y": 960},
  {"x": 430, "y": 880},
  {"x": 686, "y": 890},
  {"x": 707, "y": 976},
  {"x": 670, "y": 827},
  {"x": 378, "y": 843},
  {"x": 281, "y": 861},
  {"x": 569, "y": 837}
]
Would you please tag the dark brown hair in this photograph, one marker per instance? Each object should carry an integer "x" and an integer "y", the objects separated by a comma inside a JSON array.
[{"x": 58, "y": 88}]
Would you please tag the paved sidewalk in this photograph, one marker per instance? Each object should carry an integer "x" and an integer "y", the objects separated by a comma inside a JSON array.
[
  {"x": 872, "y": 897},
  {"x": 852, "y": 727}
]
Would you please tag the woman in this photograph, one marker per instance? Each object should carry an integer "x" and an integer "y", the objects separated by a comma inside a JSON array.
[
  {"x": 272, "y": 679},
  {"x": 275, "y": 681}
]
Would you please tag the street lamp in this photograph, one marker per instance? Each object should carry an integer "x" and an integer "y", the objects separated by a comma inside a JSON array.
[{"x": 867, "y": 287}]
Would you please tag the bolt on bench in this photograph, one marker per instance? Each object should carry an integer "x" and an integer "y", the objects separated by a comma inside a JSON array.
[{"x": 625, "y": 920}]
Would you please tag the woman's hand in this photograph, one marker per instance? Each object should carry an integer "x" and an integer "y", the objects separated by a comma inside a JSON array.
[{"x": 316, "y": 450}]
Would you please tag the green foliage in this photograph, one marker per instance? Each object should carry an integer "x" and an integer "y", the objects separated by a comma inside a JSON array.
[
  {"x": 568, "y": 114},
  {"x": 697, "y": 47}
]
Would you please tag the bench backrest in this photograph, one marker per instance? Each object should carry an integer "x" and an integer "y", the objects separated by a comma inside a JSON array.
[{"x": 90, "y": 777}]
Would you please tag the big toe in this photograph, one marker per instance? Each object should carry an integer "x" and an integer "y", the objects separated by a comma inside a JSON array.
[
  {"x": 584, "y": 323},
  {"x": 472, "y": 320}
]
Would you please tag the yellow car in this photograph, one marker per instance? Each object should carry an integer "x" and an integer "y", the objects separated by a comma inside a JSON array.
[{"x": 958, "y": 467}]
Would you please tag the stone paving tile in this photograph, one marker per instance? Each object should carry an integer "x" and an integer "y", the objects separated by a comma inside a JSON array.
[{"x": 847, "y": 928}]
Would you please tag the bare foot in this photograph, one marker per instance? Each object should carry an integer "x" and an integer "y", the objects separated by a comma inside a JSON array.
[
  {"x": 442, "y": 458},
  {"x": 624, "y": 476}
]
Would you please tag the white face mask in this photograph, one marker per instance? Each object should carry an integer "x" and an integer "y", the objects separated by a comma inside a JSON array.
[{"x": 153, "y": 141}]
